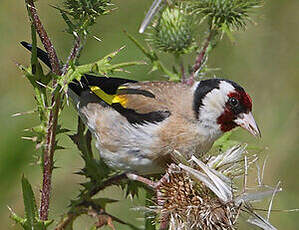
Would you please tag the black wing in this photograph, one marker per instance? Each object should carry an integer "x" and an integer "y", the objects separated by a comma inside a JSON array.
[{"x": 110, "y": 87}]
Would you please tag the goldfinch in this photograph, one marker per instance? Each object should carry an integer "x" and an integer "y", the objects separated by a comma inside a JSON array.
[{"x": 137, "y": 125}]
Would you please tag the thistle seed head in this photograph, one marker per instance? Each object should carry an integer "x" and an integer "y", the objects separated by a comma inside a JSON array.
[
  {"x": 192, "y": 205},
  {"x": 203, "y": 193}
]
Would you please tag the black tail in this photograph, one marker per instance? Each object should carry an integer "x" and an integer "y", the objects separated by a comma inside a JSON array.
[
  {"x": 108, "y": 84},
  {"x": 42, "y": 55}
]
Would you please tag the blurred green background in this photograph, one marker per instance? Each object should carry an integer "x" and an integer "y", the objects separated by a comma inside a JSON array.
[{"x": 265, "y": 59}]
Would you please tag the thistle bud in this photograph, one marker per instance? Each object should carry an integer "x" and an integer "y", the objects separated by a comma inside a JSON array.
[
  {"x": 83, "y": 10},
  {"x": 225, "y": 14},
  {"x": 174, "y": 31}
]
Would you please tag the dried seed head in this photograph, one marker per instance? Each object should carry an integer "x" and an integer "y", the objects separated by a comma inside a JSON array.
[
  {"x": 191, "y": 205},
  {"x": 203, "y": 193}
]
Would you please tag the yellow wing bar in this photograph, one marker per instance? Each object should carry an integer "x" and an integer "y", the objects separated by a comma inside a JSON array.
[{"x": 109, "y": 99}]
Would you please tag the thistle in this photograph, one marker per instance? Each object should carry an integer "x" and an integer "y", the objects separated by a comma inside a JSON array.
[
  {"x": 192, "y": 205},
  {"x": 204, "y": 195},
  {"x": 79, "y": 15},
  {"x": 230, "y": 14},
  {"x": 82, "y": 9},
  {"x": 174, "y": 31}
]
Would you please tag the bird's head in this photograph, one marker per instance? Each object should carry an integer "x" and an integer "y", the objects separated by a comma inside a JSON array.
[{"x": 221, "y": 105}]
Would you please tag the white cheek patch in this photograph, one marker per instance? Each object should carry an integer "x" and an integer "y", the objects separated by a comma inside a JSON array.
[{"x": 214, "y": 102}]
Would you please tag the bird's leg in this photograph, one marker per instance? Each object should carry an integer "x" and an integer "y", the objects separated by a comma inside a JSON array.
[{"x": 144, "y": 180}]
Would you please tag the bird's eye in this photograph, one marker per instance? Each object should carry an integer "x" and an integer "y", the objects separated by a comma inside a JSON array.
[{"x": 233, "y": 102}]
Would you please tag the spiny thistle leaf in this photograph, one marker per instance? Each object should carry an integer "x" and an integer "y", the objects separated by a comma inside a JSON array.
[
  {"x": 31, "y": 219},
  {"x": 94, "y": 169},
  {"x": 16, "y": 218},
  {"x": 29, "y": 201},
  {"x": 234, "y": 14},
  {"x": 102, "y": 202},
  {"x": 131, "y": 188},
  {"x": 101, "y": 67},
  {"x": 174, "y": 32}
]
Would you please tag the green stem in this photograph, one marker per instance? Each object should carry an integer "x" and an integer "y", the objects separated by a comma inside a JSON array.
[
  {"x": 153, "y": 58},
  {"x": 200, "y": 58},
  {"x": 180, "y": 65},
  {"x": 171, "y": 75}
]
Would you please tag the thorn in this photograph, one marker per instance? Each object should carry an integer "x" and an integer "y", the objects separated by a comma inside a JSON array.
[
  {"x": 23, "y": 113},
  {"x": 33, "y": 139},
  {"x": 96, "y": 38},
  {"x": 75, "y": 34},
  {"x": 120, "y": 49},
  {"x": 30, "y": 6},
  {"x": 43, "y": 85}
]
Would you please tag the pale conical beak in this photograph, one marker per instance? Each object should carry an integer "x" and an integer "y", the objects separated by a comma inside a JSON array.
[{"x": 246, "y": 121}]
